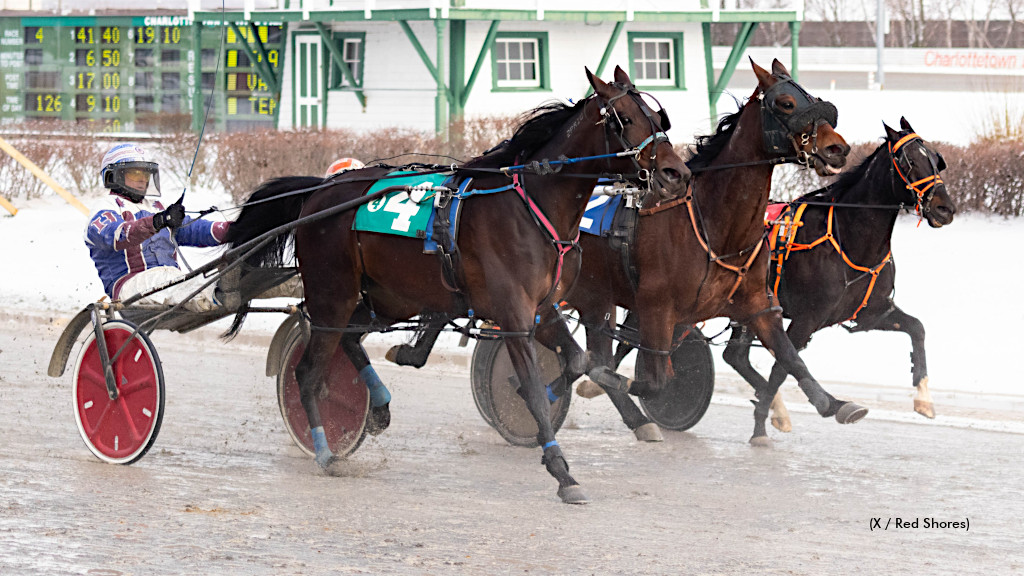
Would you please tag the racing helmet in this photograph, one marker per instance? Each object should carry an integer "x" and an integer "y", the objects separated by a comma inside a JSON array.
[
  {"x": 126, "y": 171},
  {"x": 343, "y": 165}
]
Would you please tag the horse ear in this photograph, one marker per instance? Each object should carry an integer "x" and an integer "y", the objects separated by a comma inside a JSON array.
[
  {"x": 622, "y": 78},
  {"x": 779, "y": 70},
  {"x": 600, "y": 86},
  {"x": 764, "y": 78},
  {"x": 891, "y": 134},
  {"x": 905, "y": 125}
]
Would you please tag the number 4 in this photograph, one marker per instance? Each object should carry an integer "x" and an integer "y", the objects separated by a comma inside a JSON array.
[{"x": 405, "y": 209}]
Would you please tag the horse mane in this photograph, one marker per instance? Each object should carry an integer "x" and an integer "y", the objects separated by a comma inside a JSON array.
[
  {"x": 708, "y": 147},
  {"x": 846, "y": 181},
  {"x": 535, "y": 129}
]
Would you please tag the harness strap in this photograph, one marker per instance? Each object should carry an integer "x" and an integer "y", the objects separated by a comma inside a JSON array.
[
  {"x": 561, "y": 246},
  {"x": 740, "y": 271},
  {"x": 790, "y": 228}
]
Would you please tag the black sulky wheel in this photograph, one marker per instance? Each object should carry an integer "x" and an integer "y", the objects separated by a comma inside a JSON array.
[
  {"x": 682, "y": 403},
  {"x": 494, "y": 391},
  {"x": 344, "y": 410},
  {"x": 119, "y": 430}
]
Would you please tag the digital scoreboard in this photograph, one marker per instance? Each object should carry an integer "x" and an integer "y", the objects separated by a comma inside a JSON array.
[{"x": 138, "y": 73}]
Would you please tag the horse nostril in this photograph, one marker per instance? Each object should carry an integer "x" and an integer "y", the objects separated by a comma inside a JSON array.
[
  {"x": 837, "y": 150},
  {"x": 672, "y": 175}
]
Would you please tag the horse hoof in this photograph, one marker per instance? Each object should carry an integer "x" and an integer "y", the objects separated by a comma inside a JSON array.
[
  {"x": 572, "y": 494},
  {"x": 588, "y": 389},
  {"x": 850, "y": 413},
  {"x": 649, "y": 433},
  {"x": 926, "y": 409},
  {"x": 392, "y": 354},
  {"x": 761, "y": 442},
  {"x": 782, "y": 424},
  {"x": 378, "y": 420}
]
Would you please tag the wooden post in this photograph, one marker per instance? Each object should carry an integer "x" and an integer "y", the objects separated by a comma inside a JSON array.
[
  {"x": 8, "y": 206},
  {"x": 13, "y": 153}
]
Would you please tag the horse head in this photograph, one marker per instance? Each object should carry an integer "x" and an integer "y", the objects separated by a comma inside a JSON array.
[
  {"x": 793, "y": 120},
  {"x": 919, "y": 165},
  {"x": 639, "y": 128}
]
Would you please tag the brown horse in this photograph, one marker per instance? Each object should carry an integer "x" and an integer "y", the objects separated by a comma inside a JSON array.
[
  {"x": 512, "y": 246},
  {"x": 701, "y": 256},
  {"x": 833, "y": 263}
]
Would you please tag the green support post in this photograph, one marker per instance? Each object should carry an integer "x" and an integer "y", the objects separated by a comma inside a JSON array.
[
  {"x": 339, "y": 60},
  {"x": 198, "y": 110},
  {"x": 443, "y": 94},
  {"x": 607, "y": 53},
  {"x": 457, "y": 72},
  {"x": 715, "y": 89},
  {"x": 262, "y": 67},
  {"x": 492, "y": 33},
  {"x": 794, "y": 31}
]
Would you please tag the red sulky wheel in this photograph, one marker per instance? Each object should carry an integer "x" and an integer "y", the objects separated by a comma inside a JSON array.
[
  {"x": 119, "y": 431},
  {"x": 344, "y": 410}
]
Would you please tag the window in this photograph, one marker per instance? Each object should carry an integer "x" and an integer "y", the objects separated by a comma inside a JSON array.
[
  {"x": 656, "y": 60},
  {"x": 350, "y": 45},
  {"x": 519, "y": 61}
]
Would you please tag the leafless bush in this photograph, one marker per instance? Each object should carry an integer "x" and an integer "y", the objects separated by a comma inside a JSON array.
[
  {"x": 987, "y": 176},
  {"x": 18, "y": 181}
]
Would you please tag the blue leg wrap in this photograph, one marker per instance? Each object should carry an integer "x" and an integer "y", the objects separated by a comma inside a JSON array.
[
  {"x": 323, "y": 453},
  {"x": 552, "y": 397},
  {"x": 549, "y": 445},
  {"x": 379, "y": 394}
]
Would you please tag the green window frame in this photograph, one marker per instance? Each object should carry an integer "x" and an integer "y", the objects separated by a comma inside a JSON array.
[
  {"x": 352, "y": 46},
  {"x": 656, "y": 60},
  {"x": 519, "y": 62}
]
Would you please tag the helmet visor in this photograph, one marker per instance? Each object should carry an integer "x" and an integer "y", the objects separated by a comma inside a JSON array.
[{"x": 136, "y": 176}]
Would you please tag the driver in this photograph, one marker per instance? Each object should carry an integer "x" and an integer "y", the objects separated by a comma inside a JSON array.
[{"x": 133, "y": 240}]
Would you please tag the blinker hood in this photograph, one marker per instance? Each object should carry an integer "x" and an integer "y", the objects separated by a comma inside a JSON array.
[{"x": 810, "y": 111}]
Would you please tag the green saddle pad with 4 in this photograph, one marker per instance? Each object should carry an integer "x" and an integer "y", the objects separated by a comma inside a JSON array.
[{"x": 399, "y": 213}]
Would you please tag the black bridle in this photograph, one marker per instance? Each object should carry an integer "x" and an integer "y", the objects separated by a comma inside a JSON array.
[{"x": 613, "y": 123}]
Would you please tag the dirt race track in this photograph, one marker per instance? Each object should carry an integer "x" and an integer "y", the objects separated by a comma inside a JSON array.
[{"x": 223, "y": 491}]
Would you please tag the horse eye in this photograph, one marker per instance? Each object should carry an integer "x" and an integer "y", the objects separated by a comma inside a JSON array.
[
  {"x": 787, "y": 105},
  {"x": 626, "y": 120}
]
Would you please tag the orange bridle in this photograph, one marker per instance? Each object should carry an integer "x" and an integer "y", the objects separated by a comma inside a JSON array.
[{"x": 920, "y": 187}]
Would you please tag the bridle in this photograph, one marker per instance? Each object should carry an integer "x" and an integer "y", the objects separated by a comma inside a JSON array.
[
  {"x": 781, "y": 132},
  {"x": 923, "y": 189},
  {"x": 614, "y": 124}
]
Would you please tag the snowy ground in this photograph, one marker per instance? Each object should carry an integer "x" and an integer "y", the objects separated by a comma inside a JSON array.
[{"x": 961, "y": 281}]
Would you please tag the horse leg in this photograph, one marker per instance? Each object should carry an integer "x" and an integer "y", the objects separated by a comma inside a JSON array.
[
  {"x": 899, "y": 321},
  {"x": 416, "y": 354},
  {"x": 311, "y": 373},
  {"x": 600, "y": 346},
  {"x": 524, "y": 360},
  {"x": 780, "y": 414},
  {"x": 380, "y": 398},
  {"x": 768, "y": 328},
  {"x": 737, "y": 355},
  {"x": 553, "y": 334}
]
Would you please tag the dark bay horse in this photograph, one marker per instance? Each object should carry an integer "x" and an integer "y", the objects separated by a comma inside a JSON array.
[
  {"x": 835, "y": 265},
  {"x": 512, "y": 247},
  {"x": 701, "y": 256}
]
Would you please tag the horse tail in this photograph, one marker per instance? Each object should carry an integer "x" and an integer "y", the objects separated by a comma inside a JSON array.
[{"x": 275, "y": 203}]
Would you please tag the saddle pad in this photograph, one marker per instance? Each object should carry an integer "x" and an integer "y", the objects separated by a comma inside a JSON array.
[
  {"x": 600, "y": 213},
  {"x": 773, "y": 211},
  {"x": 397, "y": 213}
]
